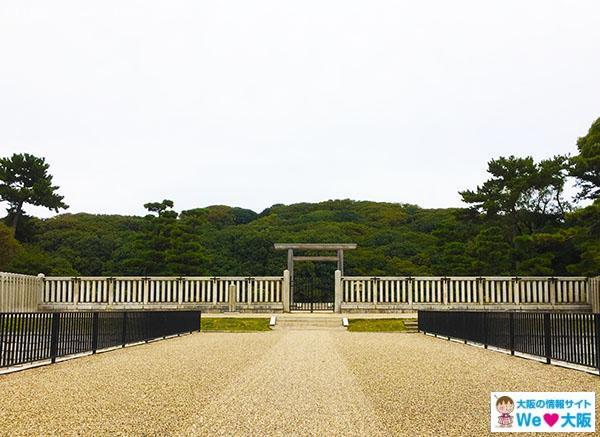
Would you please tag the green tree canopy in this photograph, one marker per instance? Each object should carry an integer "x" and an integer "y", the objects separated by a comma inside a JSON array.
[
  {"x": 520, "y": 185},
  {"x": 586, "y": 165},
  {"x": 162, "y": 209},
  {"x": 24, "y": 179},
  {"x": 521, "y": 196},
  {"x": 8, "y": 245}
]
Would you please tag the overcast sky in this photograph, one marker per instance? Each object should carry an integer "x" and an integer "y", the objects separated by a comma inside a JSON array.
[{"x": 251, "y": 103}]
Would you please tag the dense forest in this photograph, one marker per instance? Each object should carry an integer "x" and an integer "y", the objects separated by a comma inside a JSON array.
[{"x": 518, "y": 222}]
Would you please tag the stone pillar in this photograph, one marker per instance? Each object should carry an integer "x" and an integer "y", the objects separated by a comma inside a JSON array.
[
  {"x": 111, "y": 291},
  {"x": 291, "y": 272},
  {"x": 232, "y": 297},
  {"x": 286, "y": 291},
  {"x": 337, "y": 306},
  {"x": 445, "y": 283},
  {"x": 180, "y": 291},
  {"x": 340, "y": 263},
  {"x": 480, "y": 293},
  {"x": 146, "y": 290},
  {"x": 41, "y": 285},
  {"x": 75, "y": 282}
]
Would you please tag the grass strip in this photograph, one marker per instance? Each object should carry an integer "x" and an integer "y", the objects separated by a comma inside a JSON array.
[
  {"x": 376, "y": 325},
  {"x": 234, "y": 324}
]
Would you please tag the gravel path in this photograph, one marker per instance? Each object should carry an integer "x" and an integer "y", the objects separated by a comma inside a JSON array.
[
  {"x": 301, "y": 385},
  {"x": 275, "y": 383}
]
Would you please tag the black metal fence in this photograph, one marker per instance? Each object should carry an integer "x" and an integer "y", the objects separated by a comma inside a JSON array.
[
  {"x": 569, "y": 337},
  {"x": 29, "y": 337}
]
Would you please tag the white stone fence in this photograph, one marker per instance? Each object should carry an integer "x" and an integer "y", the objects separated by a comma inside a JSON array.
[
  {"x": 400, "y": 293},
  {"x": 19, "y": 293},
  {"x": 594, "y": 294},
  {"x": 222, "y": 293},
  {"x": 272, "y": 293}
]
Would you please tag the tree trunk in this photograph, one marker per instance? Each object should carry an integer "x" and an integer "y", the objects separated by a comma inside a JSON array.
[
  {"x": 15, "y": 220},
  {"x": 514, "y": 227}
]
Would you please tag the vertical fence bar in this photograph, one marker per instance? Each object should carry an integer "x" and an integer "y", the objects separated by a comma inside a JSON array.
[
  {"x": 485, "y": 330},
  {"x": 124, "y": 330},
  {"x": 2, "y": 327},
  {"x": 94, "y": 332},
  {"x": 547, "y": 338},
  {"x": 597, "y": 339},
  {"x": 54, "y": 337},
  {"x": 511, "y": 334}
]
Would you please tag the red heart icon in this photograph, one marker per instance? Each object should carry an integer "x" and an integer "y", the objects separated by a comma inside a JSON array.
[{"x": 551, "y": 419}]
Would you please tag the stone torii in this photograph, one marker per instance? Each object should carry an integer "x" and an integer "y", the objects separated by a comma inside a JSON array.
[{"x": 290, "y": 247}]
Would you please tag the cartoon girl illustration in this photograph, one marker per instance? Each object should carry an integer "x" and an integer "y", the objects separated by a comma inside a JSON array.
[{"x": 505, "y": 406}]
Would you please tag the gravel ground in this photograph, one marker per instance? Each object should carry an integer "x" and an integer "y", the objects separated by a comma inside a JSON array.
[
  {"x": 151, "y": 389},
  {"x": 275, "y": 383},
  {"x": 421, "y": 385}
]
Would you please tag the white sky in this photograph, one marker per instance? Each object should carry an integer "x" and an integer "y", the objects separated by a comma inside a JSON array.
[{"x": 251, "y": 103}]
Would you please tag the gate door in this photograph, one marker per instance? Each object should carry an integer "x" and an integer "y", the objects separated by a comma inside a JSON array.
[{"x": 313, "y": 289}]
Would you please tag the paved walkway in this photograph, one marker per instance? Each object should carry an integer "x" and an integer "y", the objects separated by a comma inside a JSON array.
[{"x": 275, "y": 383}]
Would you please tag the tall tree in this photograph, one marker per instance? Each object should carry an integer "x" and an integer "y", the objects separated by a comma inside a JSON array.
[
  {"x": 24, "y": 179},
  {"x": 162, "y": 209},
  {"x": 521, "y": 189},
  {"x": 586, "y": 165},
  {"x": 522, "y": 194}
]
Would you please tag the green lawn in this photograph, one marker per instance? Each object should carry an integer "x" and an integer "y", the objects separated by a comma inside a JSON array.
[
  {"x": 234, "y": 324},
  {"x": 376, "y": 325}
]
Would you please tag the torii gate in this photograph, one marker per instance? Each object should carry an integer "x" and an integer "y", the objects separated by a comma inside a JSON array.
[{"x": 290, "y": 247}]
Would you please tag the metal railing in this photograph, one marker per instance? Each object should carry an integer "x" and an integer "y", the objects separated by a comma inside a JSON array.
[
  {"x": 568, "y": 337},
  {"x": 30, "y": 337}
]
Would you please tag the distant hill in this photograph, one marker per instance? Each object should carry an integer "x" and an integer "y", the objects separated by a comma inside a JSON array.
[{"x": 393, "y": 239}]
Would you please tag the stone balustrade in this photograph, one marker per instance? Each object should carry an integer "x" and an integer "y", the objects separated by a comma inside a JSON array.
[
  {"x": 401, "y": 293},
  {"x": 264, "y": 293},
  {"x": 272, "y": 293},
  {"x": 19, "y": 293}
]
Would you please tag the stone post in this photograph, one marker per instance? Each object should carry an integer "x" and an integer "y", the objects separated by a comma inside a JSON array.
[
  {"x": 480, "y": 293},
  {"x": 111, "y": 291},
  {"x": 42, "y": 285},
  {"x": 232, "y": 299},
  {"x": 286, "y": 291},
  {"x": 290, "y": 260},
  {"x": 180, "y": 281},
  {"x": 145, "y": 290},
  {"x": 445, "y": 283},
  {"x": 337, "y": 306},
  {"x": 340, "y": 262},
  {"x": 75, "y": 284}
]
